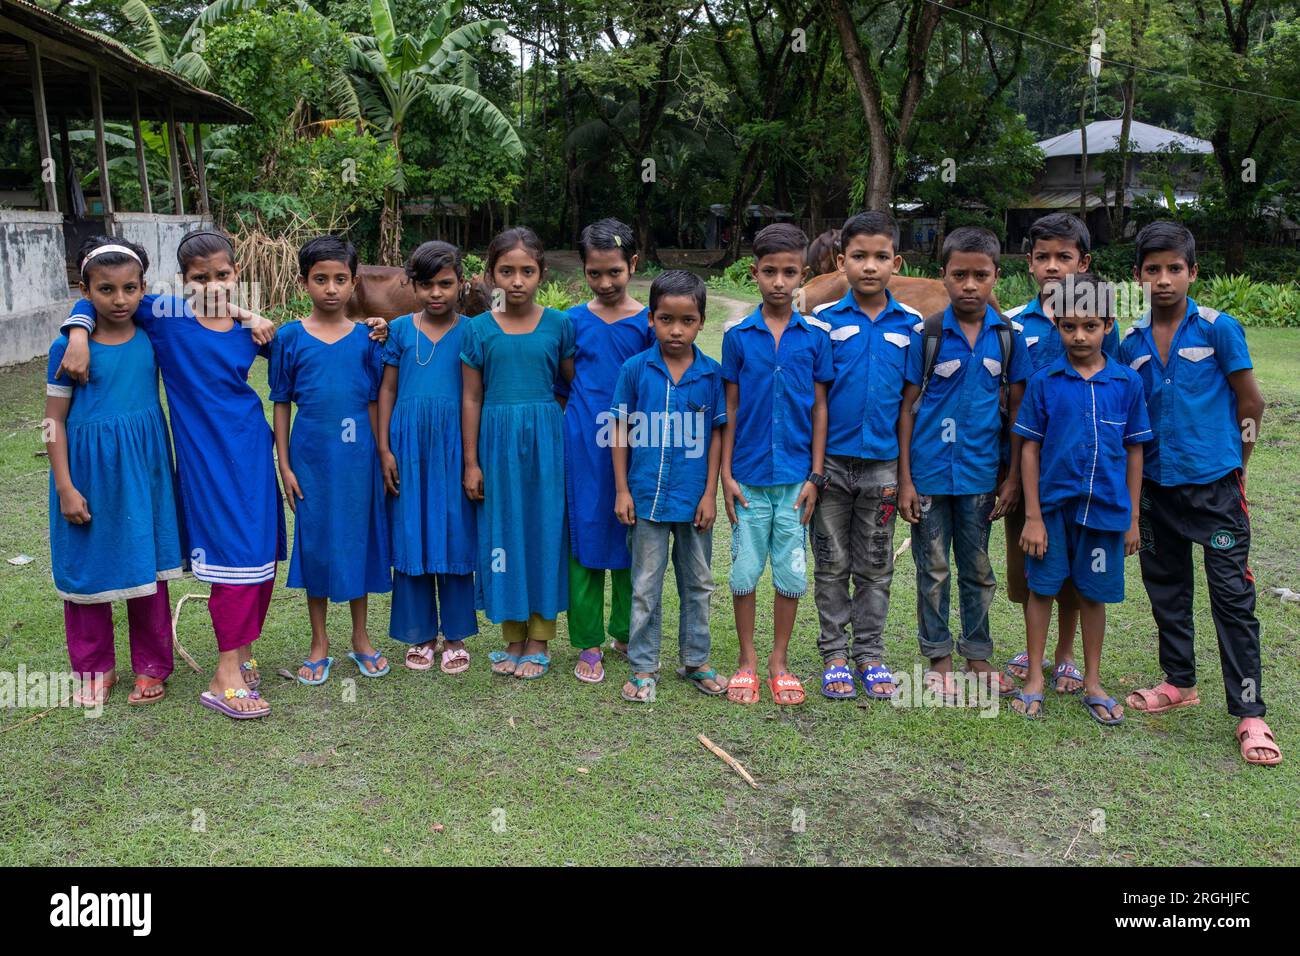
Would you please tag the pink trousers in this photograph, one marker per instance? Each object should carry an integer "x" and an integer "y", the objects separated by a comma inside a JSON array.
[
  {"x": 238, "y": 612},
  {"x": 90, "y": 635}
]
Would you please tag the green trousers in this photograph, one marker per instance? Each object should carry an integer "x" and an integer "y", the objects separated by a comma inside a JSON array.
[{"x": 587, "y": 605}]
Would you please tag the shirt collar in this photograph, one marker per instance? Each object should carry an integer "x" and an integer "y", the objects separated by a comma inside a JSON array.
[
  {"x": 849, "y": 305},
  {"x": 693, "y": 371},
  {"x": 1193, "y": 311},
  {"x": 992, "y": 318},
  {"x": 755, "y": 320},
  {"x": 1062, "y": 366}
]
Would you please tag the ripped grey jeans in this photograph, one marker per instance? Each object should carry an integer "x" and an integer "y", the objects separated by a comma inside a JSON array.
[{"x": 853, "y": 540}]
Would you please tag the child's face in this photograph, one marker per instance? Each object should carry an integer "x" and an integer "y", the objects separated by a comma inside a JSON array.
[
  {"x": 517, "y": 274},
  {"x": 1083, "y": 334},
  {"x": 1168, "y": 276},
  {"x": 1053, "y": 259},
  {"x": 329, "y": 284},
  {"x": 211, "y": 283},
  {"x": 779, "y": 275},
  {"x": 969, "y": 278},
  {"x": 677, "y": 321},
  {"x": 869, "y": 262},
  {"x": 608, "y": 272},
  {"x": 114, "y": 291},
  {"x": 438, "y": 296}
]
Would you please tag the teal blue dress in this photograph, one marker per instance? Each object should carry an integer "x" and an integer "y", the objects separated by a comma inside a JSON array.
[{"x": 522, "y": 544}]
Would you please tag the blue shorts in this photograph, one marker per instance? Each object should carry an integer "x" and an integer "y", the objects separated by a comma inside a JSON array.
[
  {"x": 769, "y": 526},
  {"x": 426, "y": 605},
  {"x": 1093, "y": 560}
]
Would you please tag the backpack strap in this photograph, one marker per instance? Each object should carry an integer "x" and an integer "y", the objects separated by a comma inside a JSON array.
[
  {"x": 1004, "y": 384},
  {"x": 930, "y": 337}
]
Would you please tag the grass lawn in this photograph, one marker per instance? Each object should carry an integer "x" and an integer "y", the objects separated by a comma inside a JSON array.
[{"x": 553, "y": 771}]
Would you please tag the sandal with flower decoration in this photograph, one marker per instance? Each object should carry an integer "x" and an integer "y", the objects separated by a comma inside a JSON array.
[
  {"x": 251, "y": 678},
  {"x": 218, "y": 703}
]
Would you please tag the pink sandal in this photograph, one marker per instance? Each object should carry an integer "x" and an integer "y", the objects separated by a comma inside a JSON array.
[
  {"x": 1253, "y": 734},
  {"x": 419, "y": 657},
  {"x": 450, "y": 657},
  {"x": 1150, "y": 698}
]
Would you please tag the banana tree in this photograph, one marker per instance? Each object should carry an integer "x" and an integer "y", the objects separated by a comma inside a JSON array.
[{"x": 186, "y": 58}]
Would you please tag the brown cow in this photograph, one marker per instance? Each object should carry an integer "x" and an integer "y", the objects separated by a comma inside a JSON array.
[
  {"x": 820, "y": 257},
  {"x": 927, "y": 296},
  {"x": 385, "y": 291}
]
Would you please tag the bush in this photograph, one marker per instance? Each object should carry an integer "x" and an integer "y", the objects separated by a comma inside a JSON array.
[
  {"x": 1263, "y": 304},
  {"x": 1265, "y": 264},
  {"x": 735, "y": 279},
  {"x": 472, "y": 265}
]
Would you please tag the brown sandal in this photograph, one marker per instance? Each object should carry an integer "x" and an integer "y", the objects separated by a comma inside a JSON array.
[{"x": 137, "y": 696}]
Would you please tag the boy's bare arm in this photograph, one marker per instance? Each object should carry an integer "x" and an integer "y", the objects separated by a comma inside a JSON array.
[
  {"x": 731, "y": 493},
  {"x": 1033, "y": 539},
  {"x": 1133, "y": 478},
  {"x": 909, "y": 507},
  {"x": 1250, "y": 411},
  {"x": 807, "y": 499},
  {"x": 706, "y": 512},
  {"x": 1009, "y": 491}
]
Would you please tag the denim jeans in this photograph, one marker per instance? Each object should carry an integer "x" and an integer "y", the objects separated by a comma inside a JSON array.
[
  {"x": 692, "y": 553},
  {"x": 853, "y": 540},
  {"x": 962, "y": 522}
]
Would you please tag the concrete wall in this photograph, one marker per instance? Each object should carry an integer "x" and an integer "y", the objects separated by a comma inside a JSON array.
[{"x": 160, "y": 235}]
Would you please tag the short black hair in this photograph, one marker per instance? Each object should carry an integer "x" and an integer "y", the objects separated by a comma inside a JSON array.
[
  {"x": 200, "y": 244},
  {"x": 971, "y": 239},
  {"x": 1082, "y": 293},
  {"x": 870, "y": 223},
  {"x": 1061, "y": 225},
  {"x": 326, "y": 249},
  {"x": 1163, "y": 235},
  {"x": 779, "y": 237},
  {"x": 608, "y": 234},
  {"x": 678, "y": 282},
  {"x": 109, "y": 258},
  {"x": 430, "y": 258},
  {"x": 508, "y": 239}
]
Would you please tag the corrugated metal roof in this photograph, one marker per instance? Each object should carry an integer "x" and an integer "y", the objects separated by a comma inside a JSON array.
[
  {"x": 1103, "y": 137},
  {"x": 1068, "y": 198}
]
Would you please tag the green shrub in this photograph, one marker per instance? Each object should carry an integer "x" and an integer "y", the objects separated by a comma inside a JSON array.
[
  {"x": 735, "y": 279},
  {"x": 556, "y": 295},
  {"x": 1014, "y": 289},
  {"x": 472, "y": 265},
  {"x": 1267, "y": 304}
]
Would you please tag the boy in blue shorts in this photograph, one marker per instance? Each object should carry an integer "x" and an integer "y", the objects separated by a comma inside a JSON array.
[
  {"x": 966, "y": 370},
  {"x": 1205, "y": 409},
  {"x": 776, "y": 367},
  {"x": 670, "y": 406},
  {"x": 1083, "y": 421}
]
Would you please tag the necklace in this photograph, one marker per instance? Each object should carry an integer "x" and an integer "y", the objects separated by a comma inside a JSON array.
[{"x": 419, "y": 334}]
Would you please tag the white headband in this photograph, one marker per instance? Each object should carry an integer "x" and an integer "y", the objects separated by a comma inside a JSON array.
[{"x": 104, "y": 250}]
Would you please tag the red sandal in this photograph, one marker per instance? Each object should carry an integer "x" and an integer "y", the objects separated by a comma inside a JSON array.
[
  {"x": 1149, "y": 697},
  {"x": 1253, "y": 734},
  {"x": 137, "y": 696}
]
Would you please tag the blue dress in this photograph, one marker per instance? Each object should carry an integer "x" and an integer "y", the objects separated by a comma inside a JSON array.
[
  {"x": 597, "y": 539},
  {"x": 120, "y": 459},
  {"x": 231, "y": 514},
  {"x": 340, "y": 536},
  {"x": 522, "y": 547},
  {"x": 432, "y": 520}
]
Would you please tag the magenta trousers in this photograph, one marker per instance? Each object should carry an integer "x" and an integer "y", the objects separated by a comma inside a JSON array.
[
  {"x": 238, "y": 612},
  {"x": 90, "y": 635}
]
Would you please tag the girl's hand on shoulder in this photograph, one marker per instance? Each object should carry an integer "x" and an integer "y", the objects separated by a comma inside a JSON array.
[
  {"x": 262, "y": 328},
  {"x": 473, "y": 482},
  {"x": 388, "y": 464},
  {"x": 378, "y": 328},
  {"x": 624, "y": 509},
  {"x": 76, "y": 359},
  {"x": 731, "y": 495},
  {"x": 706, "y": 512},
  {"x": 292, "y": 490},
  {"x": 73, "y": 507}
]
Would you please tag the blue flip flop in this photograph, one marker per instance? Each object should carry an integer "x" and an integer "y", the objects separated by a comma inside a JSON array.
[
  {"x": 877, "y": 674},
  {"x": 533, "y": 659},
  {"x": 1022, "y": 660},
  {"x": 496, "y": 657},
  {"x": 362, "y": 659},
  {"x": 1028, "y": 699},
  {"x": 324, "y": 662},
  {"x": 1110, "y": 703},
  {"x": 839, "y": 674},
  {"x": 1067, "y": 670}
]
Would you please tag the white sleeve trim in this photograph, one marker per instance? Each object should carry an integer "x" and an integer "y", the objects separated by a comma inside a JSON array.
[{"x": 58, "y": 391}]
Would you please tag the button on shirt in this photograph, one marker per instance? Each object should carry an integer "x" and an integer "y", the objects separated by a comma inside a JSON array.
[
  {"x": 1192, "y": 406},
  {"x": 1042, "y": 339},
  {"x": 870, "y": 359},
  {"x": 670, "y": 425},
  {"x": 956, "y": 447},
  {"x": 774, "y": 417},
  {"x": 1084, "y": 427}
]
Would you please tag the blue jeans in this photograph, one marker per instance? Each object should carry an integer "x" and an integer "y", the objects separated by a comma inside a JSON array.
[
  {"x": 692, "y": 553},
  {"x": 962, "y": 522}
]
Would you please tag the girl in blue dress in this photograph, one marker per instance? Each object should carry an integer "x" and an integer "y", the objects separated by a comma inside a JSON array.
[
  {"x": 113, "y": 531},
  {"x": 513, "y": 433},
  {"x": 329, "y": 368},
  {"x": 420, "y": 452},
  {"x": 608, "y": 330}
]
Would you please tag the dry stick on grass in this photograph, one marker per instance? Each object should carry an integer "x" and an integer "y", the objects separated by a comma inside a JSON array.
[
  {"x": 1074, "y": 841},
  {"x": 729, "y": 760},
  {"x": 901, "y": 548},
  {"x": 33, "y": 717},
  {"x": 176, "y": 641}
]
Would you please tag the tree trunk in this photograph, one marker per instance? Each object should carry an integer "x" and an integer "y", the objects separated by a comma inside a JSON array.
[
  {"x": 1121, "y": 193},
  {"x": 390, "y": 221},
  {"x": 1083, "y": 155}
]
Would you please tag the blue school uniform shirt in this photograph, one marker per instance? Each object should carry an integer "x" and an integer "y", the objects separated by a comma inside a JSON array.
[
  {"x": 670, "y": 425},
  {"x": 1085, "y": 427},
  {"x": 1192, "y": 406},
  {"x": 773, "y": 443},
  {"x": 956, "y": 438},
  {"x": 870, "y": 360},
  {"x": 1042, "y": 340}
]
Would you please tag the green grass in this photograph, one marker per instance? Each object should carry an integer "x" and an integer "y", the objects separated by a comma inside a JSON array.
[{"x": 585, "y": 778}]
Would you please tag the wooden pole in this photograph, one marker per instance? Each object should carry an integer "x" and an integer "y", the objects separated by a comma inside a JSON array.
[
  {"x": 42, "y": 127},
  {"x": 174, "y": 147},
  {"x": 101, "y": 153},
  {"x": 140, "y": 168},
  {"x": 65, "y": 156},
  {"x": 201, "y": 168}
]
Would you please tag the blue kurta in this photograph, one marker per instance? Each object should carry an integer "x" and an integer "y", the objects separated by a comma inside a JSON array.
[
  {"x": 232, "y": 518},
  {"x": 121, "y": 462},
  {"x": 432, "y": 520},
  {"x": 596, "y": 537},
  {"x": 522, "y": 547},
  {"x": 340, "y": 535}
]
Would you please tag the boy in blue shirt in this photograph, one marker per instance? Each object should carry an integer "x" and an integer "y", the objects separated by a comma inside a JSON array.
[
  {"x": 670, "y": 407},
  {"x": 1083, "y": 421},
  {"x": 1205, "y": 408},
  {"x": 1059, "y": 245},
  {"x": 853, "y": 526},
  {"x": 776, "y": 367},
  {"x": 966, "y": 369}
]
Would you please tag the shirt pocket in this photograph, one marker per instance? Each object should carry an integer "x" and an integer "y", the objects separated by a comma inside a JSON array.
[
  {"x": 1196, "y": 365},
  {"x": 892, "y": 354}
]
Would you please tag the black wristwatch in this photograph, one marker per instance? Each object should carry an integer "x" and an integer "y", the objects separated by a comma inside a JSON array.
[{"x": 821, "y": 481}]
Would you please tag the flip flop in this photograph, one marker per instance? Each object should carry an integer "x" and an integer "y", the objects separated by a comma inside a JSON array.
[
  {"x": 1253, "y": 734},
  {"x": 496, "y": 657},
  {"x": 1022, "y": 660},
  {"x": 785, "y": 682},
  {"x": 542, "y": 659},
  {"x": 1005, "y": 686},
  {"x": 143, "y": 684},
  {"x": 744, "y": 680},
  {"x": 421, "y": 654},
  {"x": 838, "y": 674},
  {"x": 943, "y": 683},
  {"x": 1067, "y": 671},
  {"x": 214, "y": 702},
  {"x": 1110, "y": 703},
  {"x": 591, "y": 657},
  {"x": 98, "y": 695},
  {"x": 1028, "y": 699},
  {"x": 638, "y": 683},
  {"x": 324, "y": 662},
  {"x": 877, "y": 674},
  {"x": 248, "y": 667},
  {"x": 456, "y": 654},
  {"x": 698, "y": 677},
  {"x": 1150, "y": 697},
  {"x": 362, "y": 659}
]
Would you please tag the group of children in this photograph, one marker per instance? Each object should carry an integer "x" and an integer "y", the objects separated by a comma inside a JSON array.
[{"x": 505, "y": 462}]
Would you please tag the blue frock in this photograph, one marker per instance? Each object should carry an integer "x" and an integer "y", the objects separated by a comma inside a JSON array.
[
  {"x": 522, "y": 548},
  {"x": 120, "y": 459},
  {"x": 432, "y": 520},
  {"x": 597, "y": 539},
  {"x": 340, "y": 537}
]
